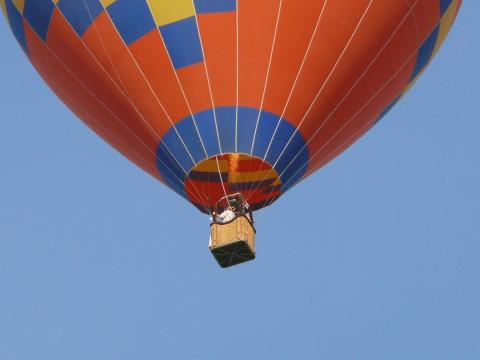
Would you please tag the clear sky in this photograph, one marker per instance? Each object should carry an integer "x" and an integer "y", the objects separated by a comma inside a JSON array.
[{"x": 374, "y": 257}]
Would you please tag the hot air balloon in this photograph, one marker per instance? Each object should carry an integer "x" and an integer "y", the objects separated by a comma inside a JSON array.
[{"x": 230, "y": 102}]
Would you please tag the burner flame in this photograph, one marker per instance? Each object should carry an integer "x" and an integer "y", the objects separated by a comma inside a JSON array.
[{"x": 233, "y": 163}]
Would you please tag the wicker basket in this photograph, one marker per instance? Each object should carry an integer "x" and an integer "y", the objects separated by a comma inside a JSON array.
[{"x": 233, "y": 243}]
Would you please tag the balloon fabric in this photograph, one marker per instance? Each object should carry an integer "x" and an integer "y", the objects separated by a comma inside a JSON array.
[{"x": 225, "y": 96}]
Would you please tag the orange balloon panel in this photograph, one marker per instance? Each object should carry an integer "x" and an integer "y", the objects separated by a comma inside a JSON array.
[{"x": 214, "y": 97}]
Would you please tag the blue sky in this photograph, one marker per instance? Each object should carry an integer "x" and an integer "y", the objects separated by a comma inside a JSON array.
[{"x": 373, "y": 257}]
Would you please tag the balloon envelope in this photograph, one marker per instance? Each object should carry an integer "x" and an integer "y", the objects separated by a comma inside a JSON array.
[{"x": 214, "y": 97}]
